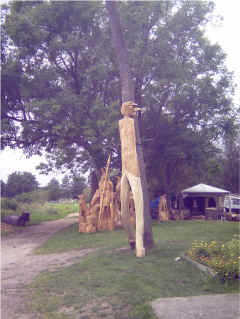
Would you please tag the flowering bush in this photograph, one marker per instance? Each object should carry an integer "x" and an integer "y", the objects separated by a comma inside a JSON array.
[{"x": 223, "y": 258}]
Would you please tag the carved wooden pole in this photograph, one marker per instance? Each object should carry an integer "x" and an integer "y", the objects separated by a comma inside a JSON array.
[{"x": 135, "y": 179}]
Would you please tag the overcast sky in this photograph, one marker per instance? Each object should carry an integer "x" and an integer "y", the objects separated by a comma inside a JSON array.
[{"x": 226, "y": 34}]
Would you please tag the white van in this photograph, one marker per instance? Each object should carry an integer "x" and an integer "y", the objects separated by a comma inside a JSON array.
[{"x": 232, "y": 203}]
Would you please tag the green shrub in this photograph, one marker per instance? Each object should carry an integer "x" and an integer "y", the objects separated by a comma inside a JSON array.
[
  {"x": 39, "y": 196},
  {"x": 7, "y": 203},
  {"x": 24, "y": 198},
  {"x": 51, "y": 211},
  {"x": 222, "y": 257},
  {"x": 6, "y": 212},
  {"x": 144, "y": 311}
]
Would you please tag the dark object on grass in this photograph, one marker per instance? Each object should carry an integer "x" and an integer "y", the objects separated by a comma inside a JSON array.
[
  {"x": 17, "y": 220},
  {"x": 132, "y": 244},
  {"x": 52, "y": 212}
]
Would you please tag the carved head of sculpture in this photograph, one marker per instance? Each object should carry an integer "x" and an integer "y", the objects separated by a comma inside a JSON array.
[
  {"x": 129, "y": 109},
  {"x": 81, "y": 197}
]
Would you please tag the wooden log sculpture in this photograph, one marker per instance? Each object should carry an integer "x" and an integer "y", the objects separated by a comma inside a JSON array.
[
  {"x": 133, "y": 176},
  {"x": 87, "y": 220},
  {"x": 102, "y": 214},
  {"x": 106, "y": 213},
  {"x": 162, "y": 209},
  {"x": 106, "y": 219},
  {"x": 117, "y": 203}
]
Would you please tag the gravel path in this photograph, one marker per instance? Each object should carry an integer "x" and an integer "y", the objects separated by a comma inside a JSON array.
[{"x": 19, "y": 265}]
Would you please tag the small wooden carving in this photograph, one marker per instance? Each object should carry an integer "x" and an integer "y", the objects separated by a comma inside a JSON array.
[
  {"x": 83, "y": 215},
  {"x": 162, "y": 209},
  {"x": 106, "y": 215}
]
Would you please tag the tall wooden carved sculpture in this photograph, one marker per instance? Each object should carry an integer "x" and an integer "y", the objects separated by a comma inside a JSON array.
[{"x": 133, "y": 177}]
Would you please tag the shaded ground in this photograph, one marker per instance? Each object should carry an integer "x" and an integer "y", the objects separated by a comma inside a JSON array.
[{"x": 19, "y": 264}]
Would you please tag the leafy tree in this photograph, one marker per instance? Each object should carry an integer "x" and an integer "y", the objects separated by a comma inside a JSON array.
[
  {"x": 39, "y": 196},
  {"x": 61, "y": 85},
  {"x": 72, "y": 186},
  {"x": 231, "y": 166},
  {"x": 66, "y": 187},
  {"x": 54, "y": 191},
  {"x": 3, "y": 189},
  {"x": 20, "y": 182},
  {"x": 78, "y": 185},
  {"x": 65, "y": 77},
  {"x": 186, "y": 94}
]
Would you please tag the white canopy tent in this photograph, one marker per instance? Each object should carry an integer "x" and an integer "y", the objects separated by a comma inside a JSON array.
[{"x": 203, "y": 189}]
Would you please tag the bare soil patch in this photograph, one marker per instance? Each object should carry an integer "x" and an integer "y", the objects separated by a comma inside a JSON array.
[{"x": 19, "y": 265}]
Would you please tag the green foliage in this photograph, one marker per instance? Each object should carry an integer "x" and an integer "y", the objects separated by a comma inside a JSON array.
[
  {"x": 144, "y": 311},
  {"x": 38, "y": 196},
  {"x": 62, "y": 107},
  {"x": 49, "y": 211},
  {"x": 54, "y": 192},
  {"x": 3, "y": 188},
  {"x": 39, "y": 210},
  {"x": 20, "y": 182},
  {"x": 78, "y": 185},
  {"x": 5, "y": 212},
  {"x": 24, "y": 198},
  {"x": 230, "y": 162},
  {"x": 223, "y": 258},
  {"x": 8, "y": 207},
  {"x": 72, "y": 186},
  {"x": 61, "y": 95},
  {"x": 66, "y": 187},
  {"x": 7, "y": 203},
  {"x": 87, "y": 193}
]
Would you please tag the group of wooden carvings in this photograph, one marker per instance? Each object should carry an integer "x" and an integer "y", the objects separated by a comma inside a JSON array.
[
  {"x": 104, "y": 211},
  {"x": 164, "y": 214}
]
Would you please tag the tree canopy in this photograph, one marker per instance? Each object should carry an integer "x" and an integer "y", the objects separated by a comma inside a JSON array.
[
  {"x": 18, "y": 183},
  {"x": 61, "y": 86}
]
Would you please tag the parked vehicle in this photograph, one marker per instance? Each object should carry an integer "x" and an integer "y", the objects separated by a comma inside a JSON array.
[{"x": 232, "y": 203}]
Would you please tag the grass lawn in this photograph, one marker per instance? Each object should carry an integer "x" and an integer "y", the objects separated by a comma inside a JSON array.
[
  {"x": 47, "y": 211},
  {"x": 113, "y": 283},
  {"x": 50, "y": 211}
]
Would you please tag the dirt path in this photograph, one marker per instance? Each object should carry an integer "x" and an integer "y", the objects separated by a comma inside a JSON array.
[{"x": 19, "y": 265}]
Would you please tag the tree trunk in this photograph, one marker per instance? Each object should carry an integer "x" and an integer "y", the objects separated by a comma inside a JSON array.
[
  {"x": 93, "y": 183},
  {"x": 127, "y": 86},
  {"x": 127, "y": 93}
]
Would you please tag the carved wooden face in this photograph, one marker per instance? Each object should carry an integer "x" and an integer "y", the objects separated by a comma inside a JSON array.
[
  {"x": 81, "y": 197},
  {"x": 129, "y": 109}
]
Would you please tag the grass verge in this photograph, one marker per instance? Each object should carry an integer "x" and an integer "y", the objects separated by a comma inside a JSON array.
[
  {"x": 50, "y": 211},
  {"x": 39, "y": 213},
  {"x": 113, "y": 283}
]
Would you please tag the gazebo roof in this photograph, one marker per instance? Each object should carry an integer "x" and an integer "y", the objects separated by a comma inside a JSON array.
[{"x": 204, "y": 189}]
